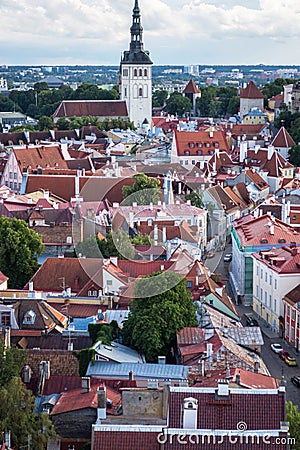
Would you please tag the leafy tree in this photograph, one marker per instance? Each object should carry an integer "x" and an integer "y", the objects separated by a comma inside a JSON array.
[
  {"x": 6, "y": 104},
  {"x": 177, "y": 104},
  {"x": 196, "y": 198},
  {"x": 293, "y": 417},
  {"x": 144, "y": 190},
  {"x": 19, "y": 249},
  {"x": 275, "y": 88},
  {"x": 161, "y": 307},
  {"x": 19, "y": 128},
  {"x": 295, "y": 128},
  {"x": 294, "y": 155},
  {"x": 159, "y": 98},
  {"x": 63, "y": 124},
  {"x": 116, "y": 244},
  {"x": 45, "y": 123},
  {"x": 141, "y": 239},
  {"x": 17, "y": 404},
  {"x": 40, "y": 86}
]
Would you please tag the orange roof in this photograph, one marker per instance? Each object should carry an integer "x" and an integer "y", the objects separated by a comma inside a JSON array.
[
  {"x": 251, "y": 91},
  {"x": 48, "y": 156},
  {"x": 191, "y": 88},
  {"x": 200, "y": 143}
]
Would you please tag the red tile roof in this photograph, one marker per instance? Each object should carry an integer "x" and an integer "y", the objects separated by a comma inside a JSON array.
[
  {"x": 48, "y": 156},
  {"x": 96, "y": 108},
  {"x": 283, "y": 139},
  {"x": 256, "y": 231},
  {"x": 191, "y": 88},
  {"x": 251, "y": 91},
  {"x": 281, "y": 260},
  {"x": 197, "y": 143},
  {"x": 126, "y": 440}
]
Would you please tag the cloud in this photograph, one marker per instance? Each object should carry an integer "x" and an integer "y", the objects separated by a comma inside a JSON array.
[{"x": 96, "y": 31}]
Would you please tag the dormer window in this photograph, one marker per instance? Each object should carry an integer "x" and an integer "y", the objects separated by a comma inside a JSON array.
[
  {"x": 199, "y": 152},
  {"x": 199, "y": 144},
  {"x": 207, "y": 144},
  {"x": 187, "y": 152},
  {"x": 191, "y": 144},
  {"x": 216, "y": 144},
  {"x": 29, "y": 318}
]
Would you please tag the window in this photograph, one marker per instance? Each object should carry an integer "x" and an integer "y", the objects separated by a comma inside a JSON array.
[
  {"x": 109, "y": 282},
  {"x": 266, "y": 297},
  {"x": 29, "y": 318},
  {"x": 186, "y": 152},
  {"x": 125, "y": 92},
  {"x": 15, "y": 176},
  {"x": 5, "y": 319},
  {"x": 191, "y": 144},
  {"x": 270, "y": 280},
  {"x": 145, "y": 72},
  {"x": 125, "y": 72},
  {"x": 199, "y": 144},
  {"x": 92, "y": 293},
  {"x": 257, "y": 291},
  {"x": 261, "y": 294},
  {"x": 288, "y": 311},
  {"x": 140, "y": 92},
  {"x": 275, "y": 305},
  {"x": 275, "y": 284},
  {"x": 193, "y": 162},
  {"x": 10, "y": 174},
  {"x": 270, "y": 301},
  {"x": 261, "y": 273},
  {"x": 189, "y": 284},
  {"x": 266, "y": 277},
  {"x": 140, "y": 73},
  {"x": 199, "y": 152},
  {"x": 293, "y": 313},
  {"x": 135, "y": 72}
]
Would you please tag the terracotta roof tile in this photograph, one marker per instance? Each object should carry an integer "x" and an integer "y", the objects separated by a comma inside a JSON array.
[
  {"x": 251, "y": 91},
  {"x": 40, "y": 156},
  {"x": 283, "y": 139},
  {"x": 191, "y": 88},
  {"x": 97, "y": 108}
]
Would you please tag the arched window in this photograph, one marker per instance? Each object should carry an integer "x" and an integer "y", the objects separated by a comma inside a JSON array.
[
  {"x": 140, "y": 92},
  {"x": 140, "y": 73},
  {"x": 145, "y": 72},
  {"x": 135, "y": 72}
]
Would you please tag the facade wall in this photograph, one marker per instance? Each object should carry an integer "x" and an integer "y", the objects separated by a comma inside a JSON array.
[
  {"x": 146, "y": 403},
  {"x": 269, "y": 288},
  {"x": 136, "y": 90},
  {"x": 292, "y": 325},
  {"x": 246, "y": 104}
]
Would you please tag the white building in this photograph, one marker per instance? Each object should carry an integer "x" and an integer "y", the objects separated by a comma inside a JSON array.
[
  {"x": 136, "y": 76},
  {"x": 275, "y": 273}
]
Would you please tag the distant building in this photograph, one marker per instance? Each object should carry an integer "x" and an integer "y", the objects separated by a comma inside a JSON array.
[
  {"x": 192, "y": 92},
  {"x": 136, "y": 76}
]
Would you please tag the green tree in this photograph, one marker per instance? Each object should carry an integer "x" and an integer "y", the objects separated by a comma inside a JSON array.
[
  {"x": 40, "y": 86},
  {"x": 141, "y": 239},
  {"x": 45, "y": 123},
  {"x": 161, "y": 307},
  {"x": 19, "y": 249},
  {"x": 116, "y": 244},
  {"x": 159, "y": 98},
  {"x": 294, "y": 155},
  {"x": 63, "y": 124},
  {"x": 17, "y": 404},
  {"x": 196, "y": 198},
  {"x": 7, "y": 104},
  {"x": 178, "y": 105},
  {"x": 293, "y": 417},
  {"x": 144, "y": 190}
]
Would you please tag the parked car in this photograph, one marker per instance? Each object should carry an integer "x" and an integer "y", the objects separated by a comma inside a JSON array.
[
  {"x": 250, "y": 320},
  {"x": 290, "y": 361},
  {"x": 284, "y": 354},
  {"x": 276, "y": 348},
  {"x": 228, "y": 257},
  {"x": 296, "y": 381}
]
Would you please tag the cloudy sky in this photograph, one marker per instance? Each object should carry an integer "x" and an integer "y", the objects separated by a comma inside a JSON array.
[{"x": 66, "y": 32}]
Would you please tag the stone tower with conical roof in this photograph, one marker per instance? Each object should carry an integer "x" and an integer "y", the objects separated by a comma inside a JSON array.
[{"x": 136, "y": 75}]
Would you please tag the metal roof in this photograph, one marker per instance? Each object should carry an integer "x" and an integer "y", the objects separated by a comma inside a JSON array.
[{"x": 140, "y": 371}]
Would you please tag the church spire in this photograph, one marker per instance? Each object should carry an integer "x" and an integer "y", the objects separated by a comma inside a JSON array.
[{"x": 136, "y": 30}]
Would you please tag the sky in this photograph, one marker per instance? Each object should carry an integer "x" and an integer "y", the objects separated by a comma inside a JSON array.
[{"x": 176, "y": 32}]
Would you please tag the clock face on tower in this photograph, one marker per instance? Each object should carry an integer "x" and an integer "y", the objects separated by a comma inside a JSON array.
[{"x": 136, "y": 75}]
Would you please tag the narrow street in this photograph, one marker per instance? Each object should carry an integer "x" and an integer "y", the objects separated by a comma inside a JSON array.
[{"x": 277, "y": 367}]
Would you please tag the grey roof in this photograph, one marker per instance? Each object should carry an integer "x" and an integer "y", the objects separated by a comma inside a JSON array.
[
  {"x": 117, "y": 352},
  {"x": 246, "y": 336},
  {"x": 140, "y": 371}
]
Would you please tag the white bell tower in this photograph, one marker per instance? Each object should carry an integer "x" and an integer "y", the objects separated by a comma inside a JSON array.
[{"x": 136, "y": 76}]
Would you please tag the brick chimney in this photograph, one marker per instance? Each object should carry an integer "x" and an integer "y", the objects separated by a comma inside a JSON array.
[{"x": 101, "y": 410}]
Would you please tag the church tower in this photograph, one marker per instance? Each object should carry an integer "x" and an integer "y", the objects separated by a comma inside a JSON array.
[{"x": 136, "y": 76}]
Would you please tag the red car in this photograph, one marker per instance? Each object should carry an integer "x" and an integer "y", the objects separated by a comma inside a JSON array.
[{"x": 284, "y": 354}]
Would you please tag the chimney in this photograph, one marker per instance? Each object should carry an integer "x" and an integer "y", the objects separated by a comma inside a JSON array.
[
  {"x": 7, "y": 337},
  {"x": 166, "y": 394},
  {"x": 164, "y": 234},
  {"x": 223, "y": 388},
  {"x": 85, "y": 385},
  {"x": 201, "y": 368},
  {"x": 271, "y": 150},
  {"x": 101, "y": 410},
  {"x": 190, "y": 412},
  {"x": 161, "y": 360},
  {"x": 30, "y": 286},
  {"x": 272, "y": 230},
  {"x": 238, "y": 378},
  {"x": 131, "y": 375},
  {"x": 256, "y": 366}
]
